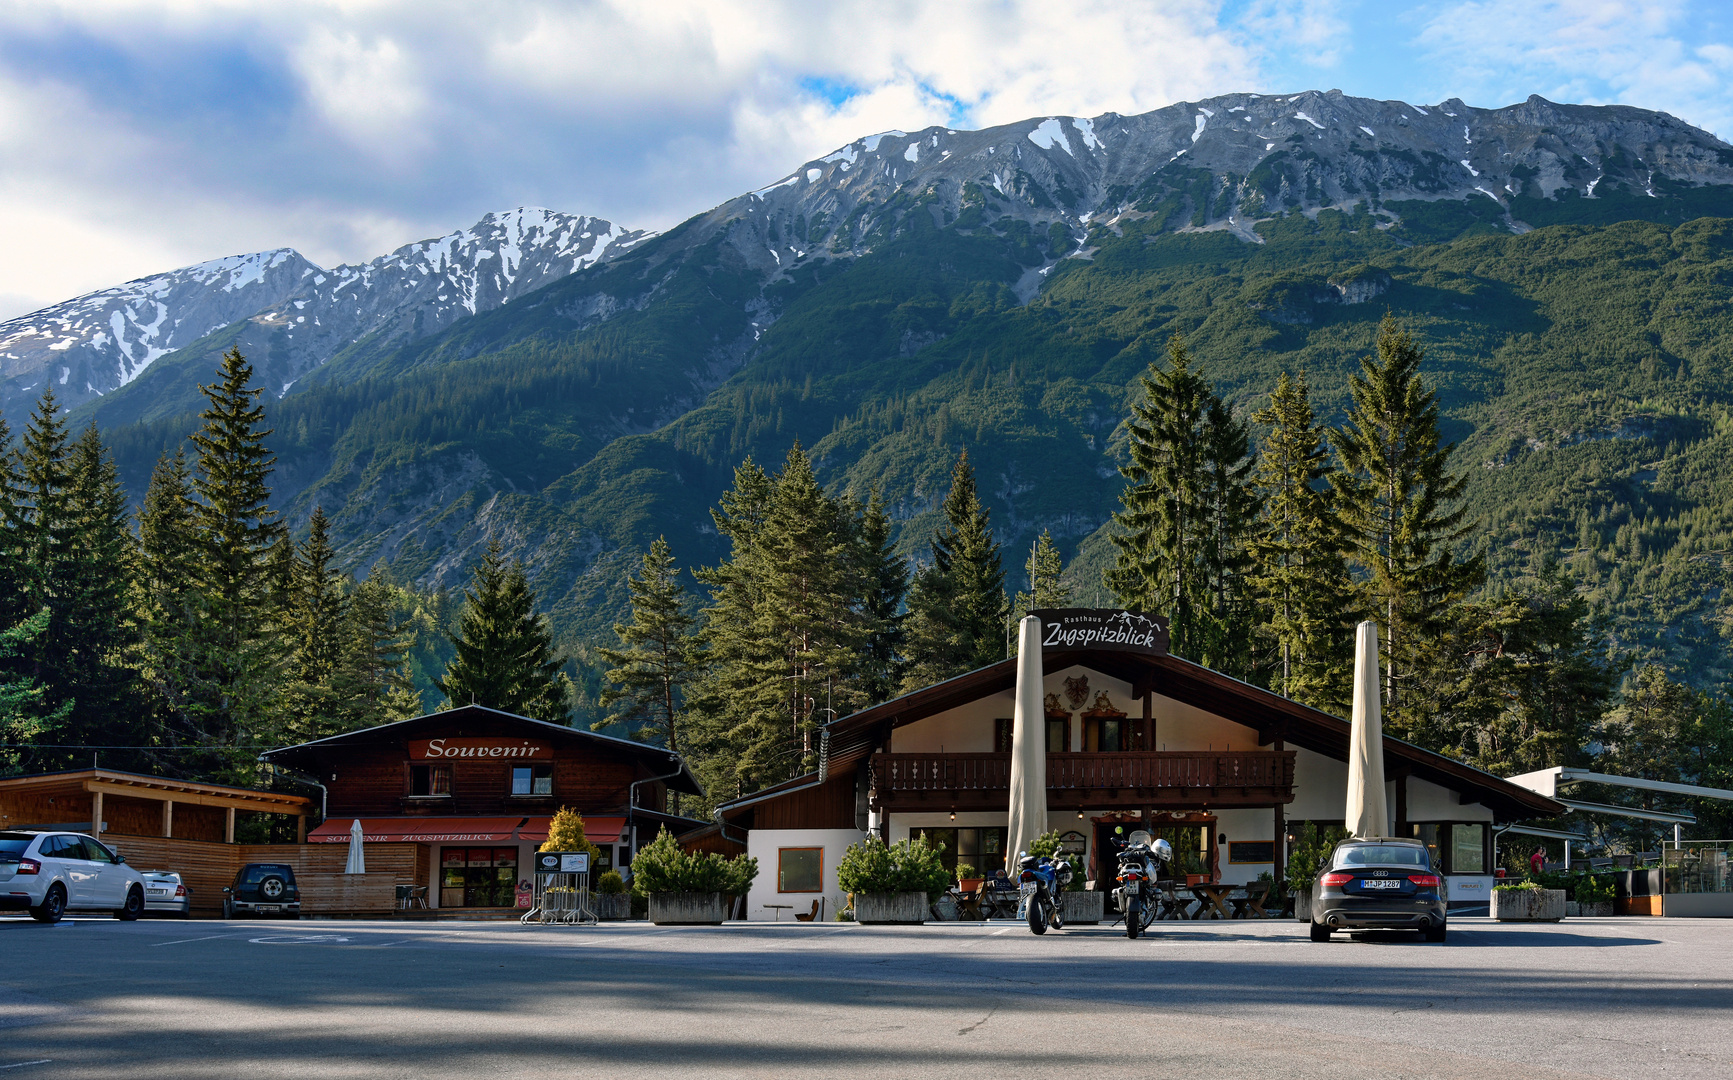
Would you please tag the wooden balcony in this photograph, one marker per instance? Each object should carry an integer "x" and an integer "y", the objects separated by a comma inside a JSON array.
[{"x": 1167, "y": 780}]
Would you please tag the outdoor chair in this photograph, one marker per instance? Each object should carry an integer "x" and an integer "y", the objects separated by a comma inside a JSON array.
[{"x": 817, "y": 908}]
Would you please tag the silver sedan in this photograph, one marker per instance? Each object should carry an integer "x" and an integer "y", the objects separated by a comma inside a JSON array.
[{"x": 166, "y": 894}]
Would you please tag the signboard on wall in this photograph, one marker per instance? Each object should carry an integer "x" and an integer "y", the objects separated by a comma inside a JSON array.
[
  {"x": 473, "y": 749},
  {"x": 1102, "y": 628}
]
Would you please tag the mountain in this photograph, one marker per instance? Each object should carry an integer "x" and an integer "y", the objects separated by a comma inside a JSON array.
[
  {"x": 912, "y": 294},
  {"x": 289, "y": 315}
]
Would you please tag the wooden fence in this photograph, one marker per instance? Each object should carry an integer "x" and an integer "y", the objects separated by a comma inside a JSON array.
[{"x": 206, "y": 868}]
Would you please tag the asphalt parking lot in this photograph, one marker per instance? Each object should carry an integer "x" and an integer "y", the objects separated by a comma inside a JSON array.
[{"x": 1595, "y": 997}]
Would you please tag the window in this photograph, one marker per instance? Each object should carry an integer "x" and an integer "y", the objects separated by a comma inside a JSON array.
[
  {"x": 1381, "y": 855},
  {"x": 984, "y": 849},
  {"x": 96, "y": 852},
  {"x": 800, "y": 869},
  {"x": 1058, "y": 735},
  {"x": 1110, "y": 736},
  {"x": 427, "y": 781},
  {"x": 1468, "y": 849},
  {"x": 532, "y": 780},
  {"x": 1252, "y": 851}
]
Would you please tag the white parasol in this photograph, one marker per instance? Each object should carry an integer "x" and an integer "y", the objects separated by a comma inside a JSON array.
[
  {"x": 1367, "y": 814},
  {"x": 1028, "y": 817},
  {"x": 357, "y": 860}
]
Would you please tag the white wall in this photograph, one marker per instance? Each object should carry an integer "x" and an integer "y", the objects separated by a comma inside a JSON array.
[{"x": 764, "y": 845}]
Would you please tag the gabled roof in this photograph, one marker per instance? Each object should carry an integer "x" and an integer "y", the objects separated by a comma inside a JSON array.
[
  {"x": 655, "y": 758},
  {"x": 159, "y": 788},
  {"x": 1272, "y": 716}
]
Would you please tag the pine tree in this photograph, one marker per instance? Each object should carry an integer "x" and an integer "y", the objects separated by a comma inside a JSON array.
[
  {"x": 505, "y": 652},
  {"x": 957, "y": 604},
  {"x": 168, "y": 597},
  {"x": 372, "y": 671},
  {"x": 1402, "y": 511},
  {"x": 315, "y": 616},
  {"x": 1044, "y": 569},
  {"x": 885, "y": 582},
  {"x": 1300, "y": 574},
  {"x": 648, "y": 681},
  {"x": 1187, "y": 511}
]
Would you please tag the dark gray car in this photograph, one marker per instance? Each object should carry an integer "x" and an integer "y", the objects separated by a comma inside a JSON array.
[{"x": 1379, "y": 883}]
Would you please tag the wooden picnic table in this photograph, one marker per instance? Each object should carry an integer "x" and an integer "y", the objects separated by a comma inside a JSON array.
[{"x": 1211, "y": 900}]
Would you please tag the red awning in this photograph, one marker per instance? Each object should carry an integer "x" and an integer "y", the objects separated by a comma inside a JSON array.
[
  {"x": 597, "y": 830},
  {"x": 420, "y": 830}
]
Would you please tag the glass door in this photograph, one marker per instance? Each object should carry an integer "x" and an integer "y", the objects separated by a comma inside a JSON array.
[{"x": 452, "y": 875}]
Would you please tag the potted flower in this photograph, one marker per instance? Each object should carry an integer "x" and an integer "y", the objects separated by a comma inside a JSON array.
[
  {"x": 1311, "y": 848},
  {"x": 689, "y": 887},
  {"x": 968, "y": 879},
  {"x": 892, "y": 884},
  {"x": 1594, "y": 897},
  {"x": 1527, "y": 901},
  {"x": 1078, "y": 905},
  {"x": 611, "y": 901}
]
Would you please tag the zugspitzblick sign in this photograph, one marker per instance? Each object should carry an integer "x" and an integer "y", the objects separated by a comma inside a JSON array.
[{"x": 1102, "y": 628}]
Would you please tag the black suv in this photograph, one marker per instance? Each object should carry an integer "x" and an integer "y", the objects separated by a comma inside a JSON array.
[
  {"x": 1379, "y": 883},
  {"x": 263, "y": 889}
]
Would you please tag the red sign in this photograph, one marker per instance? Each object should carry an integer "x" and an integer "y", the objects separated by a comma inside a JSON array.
[{"x": 472, "y": 749}]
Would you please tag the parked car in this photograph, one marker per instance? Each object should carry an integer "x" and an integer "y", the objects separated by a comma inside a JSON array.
[
  {"x": 51, "y": 873},
  {"x": 166, "y": 894},
  {"x": 1379, "y": 883},
  {"x": 263, "y": 889}
]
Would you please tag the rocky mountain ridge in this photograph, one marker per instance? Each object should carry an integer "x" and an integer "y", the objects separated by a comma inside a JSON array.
[{"x": 288, "y": 314}]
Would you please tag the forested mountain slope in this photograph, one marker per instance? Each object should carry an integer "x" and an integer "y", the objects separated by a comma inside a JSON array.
[{"x": 1566, "y": 267}]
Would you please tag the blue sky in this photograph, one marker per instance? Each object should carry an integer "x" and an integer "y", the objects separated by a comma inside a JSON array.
[{"x": 136, "y": 136}]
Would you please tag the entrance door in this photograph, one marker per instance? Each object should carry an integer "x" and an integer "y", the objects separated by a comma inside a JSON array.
[{"x": 490, "y": 877}]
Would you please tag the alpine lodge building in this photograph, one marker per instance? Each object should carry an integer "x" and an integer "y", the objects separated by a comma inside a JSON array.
[{"x": 1225, "y": 771}]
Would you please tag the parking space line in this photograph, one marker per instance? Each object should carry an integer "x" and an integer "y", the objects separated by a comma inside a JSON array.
[
  {"x": 183, "y": 941},
  {"x": 21, "y": 1064}
]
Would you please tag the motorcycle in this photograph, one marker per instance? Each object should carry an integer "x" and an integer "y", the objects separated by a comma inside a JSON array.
[
  {"x": 1042, "y": 878},
  {"x": 1138, "y": 870}
]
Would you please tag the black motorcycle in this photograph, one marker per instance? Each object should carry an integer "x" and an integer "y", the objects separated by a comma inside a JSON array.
[{"x": 1137, "y": 877}]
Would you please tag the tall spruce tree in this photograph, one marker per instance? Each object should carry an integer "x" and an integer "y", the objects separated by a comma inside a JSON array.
[
  {"x": 957, "y": 603},
  {"x": 647, "y": 684},
  {"x": 885, "y": 583},
  {"x": 1044, "y": 569},
  {"x": 169, "y": 600},
  {"x": 505, "y": 651},
  {"x": 1187, "y": 511},
  {"x": 315, "y": 613},
  {"x": 1403, "y": 512},
  {"x": 1300, "y": 574},
  {"x": 372, "y": 673}
]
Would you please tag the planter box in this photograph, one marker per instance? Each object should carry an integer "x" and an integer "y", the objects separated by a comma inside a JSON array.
[
  {"x": 1602, "y": 910},
  {"x": 1303, "y": 906},
  {"x": 688, "y": 909},
  {"x": 1528, "y": 905},
  {"x": 907, "y": 908},
  {"x": 1082, "y": 908},
  {"x": 611, "y": 906}
]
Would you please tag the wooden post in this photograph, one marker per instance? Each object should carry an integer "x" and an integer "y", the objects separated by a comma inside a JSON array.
[
  {"x": 300, "y": 828},
  {"x": 96, "y": 814},
  {"x": 229, "y": 826},
  {"x": 1148, "y": 719},
  {"x": 1280, "y": 851},
  {"x": 168, "y": 817}
]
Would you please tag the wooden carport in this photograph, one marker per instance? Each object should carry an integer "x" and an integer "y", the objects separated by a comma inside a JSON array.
[{"x": 135, "y": 804}]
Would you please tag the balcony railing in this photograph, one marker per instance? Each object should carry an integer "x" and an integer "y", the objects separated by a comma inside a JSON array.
[{"x": 1167, "y": 778}]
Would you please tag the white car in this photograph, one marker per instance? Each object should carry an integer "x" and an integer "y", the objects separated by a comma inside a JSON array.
[
  {"x": 51, "y": 873},
  {"x": 166, "y": 894}
]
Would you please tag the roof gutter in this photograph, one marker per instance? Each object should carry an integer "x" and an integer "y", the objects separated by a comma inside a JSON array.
[
  {"x": 632, "y": 800},
  {"x": 300, "y": 778}
]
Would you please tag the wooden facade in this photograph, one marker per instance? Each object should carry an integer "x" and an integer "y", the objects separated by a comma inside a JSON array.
[
  {"x": 205, "y": 868},
  {"x": 113, "y": 803}
]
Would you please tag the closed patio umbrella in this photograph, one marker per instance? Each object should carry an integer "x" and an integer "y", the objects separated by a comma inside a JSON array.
[
  {"x": 1367, "y": 814},
  {"x": 1028, "y": 817},
  {"x": 357, "y": 860}
]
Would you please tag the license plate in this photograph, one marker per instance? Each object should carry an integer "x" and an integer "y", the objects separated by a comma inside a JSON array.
[
  {"x": 159, "y": 892},
  {"x": 1381, "y": 883},
  {"x": 268, "y": 908},
  {"x": 1028, "y": 888}
]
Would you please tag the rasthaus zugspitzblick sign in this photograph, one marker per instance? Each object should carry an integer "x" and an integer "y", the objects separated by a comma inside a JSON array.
[{"x": 1102, "y": 628}]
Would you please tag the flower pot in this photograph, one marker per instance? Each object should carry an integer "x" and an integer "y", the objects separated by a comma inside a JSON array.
[
  {"x": 1303, "y": 906},
  {"x": 688, "y": 909},
  {"x": 969, "y": 884},
  {"x": 1082, "y": 908},
  {"x": 909, "y": 908},
  {"x": 611, "y": 906},
  {"x": 1528, "y": 905},
  {"x": 1601, "y": 910}
]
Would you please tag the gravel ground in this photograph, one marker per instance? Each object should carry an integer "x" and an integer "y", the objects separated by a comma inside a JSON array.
[{"x": 1591, "y": 997}]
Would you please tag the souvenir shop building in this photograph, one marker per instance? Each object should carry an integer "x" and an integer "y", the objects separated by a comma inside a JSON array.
[
  {"x": 476, "y": 789},
  {"x": 1225, "y": 771}
]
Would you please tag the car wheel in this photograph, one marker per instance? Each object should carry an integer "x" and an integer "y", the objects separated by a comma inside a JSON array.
[
  {"x": 1436, "y": 933},
  {"x": 53, "y": 905},
  {"x": 1320, "y": 932},
  {"x": 134, "y": 905}
]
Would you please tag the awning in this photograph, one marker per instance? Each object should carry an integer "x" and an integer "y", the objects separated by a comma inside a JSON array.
[
  {"x": 597, "y": 830},
  {"x": 420, "y": 830}
]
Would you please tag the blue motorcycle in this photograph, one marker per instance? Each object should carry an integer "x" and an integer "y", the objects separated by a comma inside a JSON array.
[{"x": 1042, "y": 879}]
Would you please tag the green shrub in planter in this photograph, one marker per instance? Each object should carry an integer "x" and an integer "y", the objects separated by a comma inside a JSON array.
[
  {"x": 1594, "y": 890},
  {"x": 1311, "y": 848},
  {"x": 663, "y": 866},
  {"x": 966, "y": 872},
  {"x": 1520, "y": 886},
  {"x": 1048, "y": 844},
  {"x": 906, "y": 866},
  {"x": 610, "y": 884}
]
